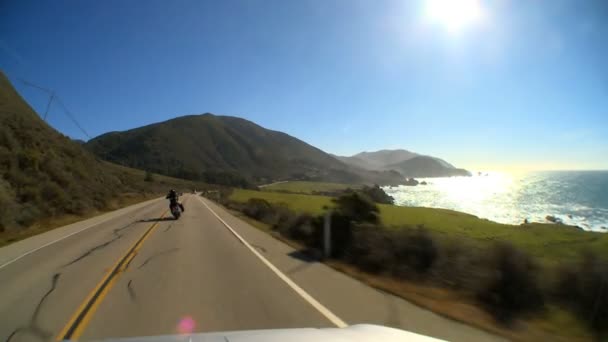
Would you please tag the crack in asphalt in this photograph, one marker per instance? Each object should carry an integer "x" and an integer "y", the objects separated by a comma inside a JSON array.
[
  {"x": 33, "y": 327},
  {"x": 123, "y": 228},
  {"x": 131, "y": 291},
  {"x": 157, "y": 255},
  {"x": 90, "y": 251},
  {"x": 103, "y": 245},
  {"x": 167, "y": 229},
  {"x": 53, "y": 287}
]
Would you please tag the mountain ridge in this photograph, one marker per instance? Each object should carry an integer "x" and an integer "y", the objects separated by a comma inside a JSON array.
[
  {"x": 409, "y": 164},
  {"x": 193, "y": 146}
]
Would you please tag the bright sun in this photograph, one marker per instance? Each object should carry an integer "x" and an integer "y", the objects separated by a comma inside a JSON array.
[{"x": 454, "y": 15}]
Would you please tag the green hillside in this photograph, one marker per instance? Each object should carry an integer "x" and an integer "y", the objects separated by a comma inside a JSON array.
[
  {"x": 44, "y": 174},
  {"x": 544, "y": 241},
  {"x": 197, "y": 146}
]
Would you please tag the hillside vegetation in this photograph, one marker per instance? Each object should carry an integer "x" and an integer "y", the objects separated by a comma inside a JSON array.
[
  {"x": 197, "y": 146},
  {"x": 44, "y": 174}
]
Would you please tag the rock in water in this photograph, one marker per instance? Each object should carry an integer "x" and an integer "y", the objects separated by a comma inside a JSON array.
[{"x": 411, "y": 182}]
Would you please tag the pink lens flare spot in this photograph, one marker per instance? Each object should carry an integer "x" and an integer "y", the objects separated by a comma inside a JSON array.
[{"x": 186, "y": 325}]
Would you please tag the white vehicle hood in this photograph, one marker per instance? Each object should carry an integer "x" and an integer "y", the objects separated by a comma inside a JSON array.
[{"x": 354, "y": 333}]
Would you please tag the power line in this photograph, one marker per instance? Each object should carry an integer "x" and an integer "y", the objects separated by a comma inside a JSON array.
[
  {"x": 71, "y": 117},
  {"x": 48, "y": 91},
  {"x": 27, "y": 83},
  {"x": 48, "y": 105},
  {"x": 52, "y": 97}
]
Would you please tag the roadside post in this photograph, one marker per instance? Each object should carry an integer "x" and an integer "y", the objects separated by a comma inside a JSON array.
[{"x": 327, "y": 235}]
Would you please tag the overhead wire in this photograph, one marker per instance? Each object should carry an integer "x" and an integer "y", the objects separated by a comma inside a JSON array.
[{"x": 57, "y": 99}]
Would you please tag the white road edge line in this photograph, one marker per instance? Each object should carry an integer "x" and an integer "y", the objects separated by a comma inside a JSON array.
[
  {"x": 322, "y": 309},
  {"x": 52, "y": 242}
]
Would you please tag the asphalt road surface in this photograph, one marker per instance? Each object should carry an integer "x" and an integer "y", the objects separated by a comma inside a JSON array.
[{"x": 136, "y": 272}]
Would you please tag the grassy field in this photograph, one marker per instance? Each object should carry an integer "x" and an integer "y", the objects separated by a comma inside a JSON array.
[
  {"x": 298, "y": 202},
  {"x": 308, "y": 187},
  {"x": 548, "y": 243}
]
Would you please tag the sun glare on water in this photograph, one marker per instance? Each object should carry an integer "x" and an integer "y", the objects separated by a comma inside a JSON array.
[{"x": 454, "y": 15}]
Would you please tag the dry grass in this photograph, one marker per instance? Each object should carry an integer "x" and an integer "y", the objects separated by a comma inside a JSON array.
[{"x": 462, "y": 308}]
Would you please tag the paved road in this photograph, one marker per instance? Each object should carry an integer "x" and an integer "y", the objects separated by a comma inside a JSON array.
[{"x": 134, "y": 273}]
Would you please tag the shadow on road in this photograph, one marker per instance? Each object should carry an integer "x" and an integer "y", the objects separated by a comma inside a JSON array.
[
  {"x": 307, "y": 256},
  {"x": 304, "y": 255},
  {"x": 157, "y": 219}
]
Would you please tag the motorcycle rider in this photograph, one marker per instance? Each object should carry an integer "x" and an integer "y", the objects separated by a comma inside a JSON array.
[{"x": 173, "y": 197}]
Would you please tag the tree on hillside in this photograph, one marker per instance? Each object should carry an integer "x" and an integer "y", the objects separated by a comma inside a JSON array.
[{"x": 357, "y": 207}]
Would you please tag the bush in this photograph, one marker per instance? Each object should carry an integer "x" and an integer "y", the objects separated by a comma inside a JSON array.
[
  {"x": 376, "y": 194},
  {"x": 297, "y": 227},
  {"x": 372, "y": 249},
  {"x": 459, "y": 266},
  {"x": 341, "y": 234},
  {"x": 8, "y": 207},
  {"x": 512, "y": 289},
  {"x": 584, "y": 288},
  {"x": 357, "y": 207},
  {"x": 261, "y": 210},
  {"x": 54, "y": 197},
  {"x": 28, "y": 215},
  {"x": 415, "y": 252},
  {"x": 256, "y": 208}
]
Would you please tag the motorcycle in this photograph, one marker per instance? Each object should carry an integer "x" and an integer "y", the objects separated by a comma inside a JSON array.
[{"x": 176, "y": 211}]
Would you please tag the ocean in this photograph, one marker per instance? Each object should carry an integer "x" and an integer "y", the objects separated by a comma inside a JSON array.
[{"x": 578, "y": 198}]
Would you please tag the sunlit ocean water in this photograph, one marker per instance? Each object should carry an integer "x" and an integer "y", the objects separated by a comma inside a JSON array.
[{"x": 578, "y": 198}]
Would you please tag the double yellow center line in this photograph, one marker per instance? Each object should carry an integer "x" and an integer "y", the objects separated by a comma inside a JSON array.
[{"x": 80, "y": 319}]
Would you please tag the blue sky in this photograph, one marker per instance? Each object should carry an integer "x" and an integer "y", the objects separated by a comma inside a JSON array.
[{"x": 518, "y": 84}]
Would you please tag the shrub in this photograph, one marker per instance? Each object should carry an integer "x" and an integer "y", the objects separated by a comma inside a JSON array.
[
  {"x": 459, "y": 265},
  {"x": 415, "y": 252},
  {"x": 341, "y": 233},
  {"x": 55, "y": 171},
  {"x": 28, "y": 215},
  {"x": 584, "y": 288},
  {"x": 54, "y": 197},
  {"x": 8, "y": 207},
  {"x": 261, "y": 210},
  {"x": 279, "y": 215},
  {"x": 357, "y": 207},
  {"x": 376, "y": 194},
  {"x": 256, "y": 208},
  {"x": 297, "y": 227},
  {"x": 512, "y": 289},
  {"x": 372, "y": 249}
]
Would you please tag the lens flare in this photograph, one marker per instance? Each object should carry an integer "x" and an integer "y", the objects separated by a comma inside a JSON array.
[{"x": 186, "y": 325}]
